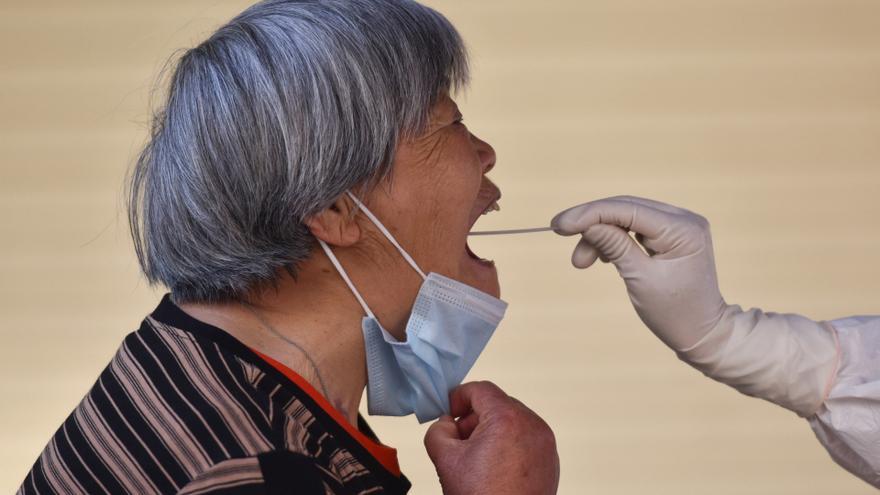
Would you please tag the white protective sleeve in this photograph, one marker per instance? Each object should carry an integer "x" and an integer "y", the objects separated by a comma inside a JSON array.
[
  {"x": 786, "y": 359},
  {"x": 848, "y": 423}
]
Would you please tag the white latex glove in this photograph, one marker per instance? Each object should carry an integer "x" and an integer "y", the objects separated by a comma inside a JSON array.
[{"x": 786, "y": 359}]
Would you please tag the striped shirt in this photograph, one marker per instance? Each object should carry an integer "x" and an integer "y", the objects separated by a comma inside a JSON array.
[{"x": 184, "y": 407}]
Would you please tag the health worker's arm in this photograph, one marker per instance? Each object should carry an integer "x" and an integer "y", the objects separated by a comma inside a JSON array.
[
  {"x": 848, "y": 422},
  {"x": 825, "y": 372}
]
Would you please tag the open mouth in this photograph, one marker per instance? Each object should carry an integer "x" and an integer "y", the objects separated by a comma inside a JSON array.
[
  {"x": 474, "y": 256},
  {"x": 487, "y": 202}
]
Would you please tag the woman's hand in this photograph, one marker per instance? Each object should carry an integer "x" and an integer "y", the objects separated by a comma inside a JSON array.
[{"x": 498, "y": 446}]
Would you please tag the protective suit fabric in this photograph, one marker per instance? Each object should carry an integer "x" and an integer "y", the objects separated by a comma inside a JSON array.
[{"x": 848, "y": 422}]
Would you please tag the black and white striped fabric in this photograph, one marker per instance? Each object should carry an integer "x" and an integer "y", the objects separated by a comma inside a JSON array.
[{"x": 186, "y": 408}]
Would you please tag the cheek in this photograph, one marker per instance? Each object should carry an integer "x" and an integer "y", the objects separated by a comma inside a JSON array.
[
  {"x": 436, "y": 196},
  {"x": 462, "y": 173},
  {"x": 451, "y": 180},
  {"x": 447, "y": 205},
  {"x": 460, "y": 187}
]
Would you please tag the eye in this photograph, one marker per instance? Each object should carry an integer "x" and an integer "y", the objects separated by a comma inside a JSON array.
[{"x": 458, "y": 121}]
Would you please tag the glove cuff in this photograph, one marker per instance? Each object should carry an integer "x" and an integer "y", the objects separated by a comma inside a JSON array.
[{"x": 783, "y": 358}]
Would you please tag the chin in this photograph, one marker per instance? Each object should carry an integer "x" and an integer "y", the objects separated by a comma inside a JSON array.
[{"x": 493, "y": 288}]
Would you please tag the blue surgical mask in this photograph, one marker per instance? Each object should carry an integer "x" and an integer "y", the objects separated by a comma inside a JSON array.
[{"x": 448, "y": 328}]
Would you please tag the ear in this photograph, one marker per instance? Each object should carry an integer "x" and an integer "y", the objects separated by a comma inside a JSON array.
[{"x": 336, "y": 225}]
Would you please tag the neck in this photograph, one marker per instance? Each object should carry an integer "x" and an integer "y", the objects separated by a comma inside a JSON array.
[
  {"x": 312, "y": 325},
  {"x": 318, "y": 313}
]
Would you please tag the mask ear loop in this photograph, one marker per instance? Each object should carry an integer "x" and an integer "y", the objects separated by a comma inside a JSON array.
[
  {"x": 387, "y": 234},
  {"x": 346, "y": 278}
]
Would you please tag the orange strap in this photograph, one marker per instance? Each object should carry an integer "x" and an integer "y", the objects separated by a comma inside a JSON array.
[{"x": 387, "y": 456}]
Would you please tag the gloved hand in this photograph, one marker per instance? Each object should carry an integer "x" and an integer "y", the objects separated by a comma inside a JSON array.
[{"x": 786, "y": 359}]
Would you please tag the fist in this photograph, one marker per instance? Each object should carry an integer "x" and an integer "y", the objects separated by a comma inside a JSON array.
[{"x": 496, "y": 446}]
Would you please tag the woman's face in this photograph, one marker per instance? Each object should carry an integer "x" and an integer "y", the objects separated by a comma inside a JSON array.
[{"x": 436, "y": 192}]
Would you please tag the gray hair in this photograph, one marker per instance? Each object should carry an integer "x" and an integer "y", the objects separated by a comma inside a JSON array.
[{"x": 268, "y": 122}]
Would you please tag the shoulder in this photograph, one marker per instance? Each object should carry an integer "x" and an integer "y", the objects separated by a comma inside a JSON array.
[
  {"x": 278, "y": 472},
  {"x": 175, "y": 405}
]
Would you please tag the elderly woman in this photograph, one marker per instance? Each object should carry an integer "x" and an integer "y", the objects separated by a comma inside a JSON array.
[{"x": 309, "y": 168}]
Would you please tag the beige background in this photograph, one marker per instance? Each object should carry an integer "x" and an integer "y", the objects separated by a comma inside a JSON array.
[{"x": 762, "y": 115}]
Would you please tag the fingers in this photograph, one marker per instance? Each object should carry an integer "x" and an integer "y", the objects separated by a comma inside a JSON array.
[
  {"x": 648, "y": 244},
  {"x": 467, "y": 425},
  {"x": 499, "y": 446},
  {"x": 441, "y": 435},
  {"x": 474, "y": 402},
  {"x": 584, "y": 255},
  {"x": 612, "y": 244},
  {"x": 639, "y": 217},
  {"x": 668, "y": 208},
  {"x": 477, "y": 397}
]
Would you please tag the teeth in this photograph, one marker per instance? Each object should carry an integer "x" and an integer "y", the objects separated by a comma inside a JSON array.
[{"x": 492, "y": 207}]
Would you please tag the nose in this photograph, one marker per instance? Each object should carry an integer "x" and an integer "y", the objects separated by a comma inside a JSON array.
[{"x": 486, "y": 153}]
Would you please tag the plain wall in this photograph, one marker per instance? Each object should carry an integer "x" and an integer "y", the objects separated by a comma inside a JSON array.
[{"x": 764, "y": 116}]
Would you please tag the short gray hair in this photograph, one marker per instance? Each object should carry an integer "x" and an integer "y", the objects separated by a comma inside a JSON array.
[{"x": 269, "y": 121}]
